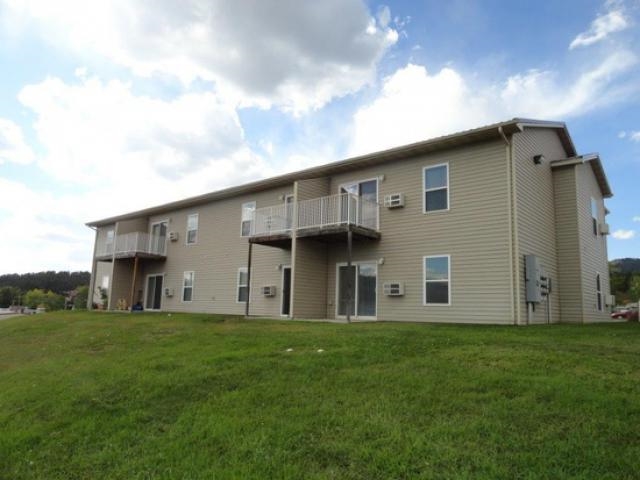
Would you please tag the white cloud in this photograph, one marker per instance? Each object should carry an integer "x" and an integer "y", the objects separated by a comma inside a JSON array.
[
  {"x": 634, "y": 136},
  {"x": 622, "y": 134},
  {"x": 297, "y": 55},
  {"x": 604, "y": 25},
  {"x": 12, "y": 144},
  {"x": 622, "y": 234},
  {"x": 636, "y": 218},
  {"x": 415, "y": 104}
]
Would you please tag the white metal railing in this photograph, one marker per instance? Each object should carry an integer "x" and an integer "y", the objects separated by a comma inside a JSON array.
[
  {"x": 135, "y": 242},
  {"x": 276, "y": 219},
  {"x": 339, "y": 209}
]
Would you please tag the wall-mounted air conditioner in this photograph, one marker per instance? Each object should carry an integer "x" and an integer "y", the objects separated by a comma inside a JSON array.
[
  {"x": 269, "y": 291},
  {"x": 604, "y": 229},
  {"x": 394, "y": 200},
  {"x": 168, "y": 292},
  {"x": 393, "y": 289},
  {"x": 173, "y": 236},
  {"x": 610, "y": 300}
]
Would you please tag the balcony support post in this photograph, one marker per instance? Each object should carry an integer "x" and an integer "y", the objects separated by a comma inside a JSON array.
[
  {"x": 349, "y": 280},
  {"x": 133, "y": 281},
  {"x": 246, "y": 305}
]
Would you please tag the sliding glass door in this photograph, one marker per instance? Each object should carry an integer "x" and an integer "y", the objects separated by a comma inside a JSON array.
[{"x": 358, "y": 283}]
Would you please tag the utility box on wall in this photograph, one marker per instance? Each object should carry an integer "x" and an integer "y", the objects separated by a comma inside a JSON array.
[{"x": 532, "y": 275}]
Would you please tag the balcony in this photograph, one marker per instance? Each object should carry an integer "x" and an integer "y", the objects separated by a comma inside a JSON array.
[
  {"x": 135, "y": 244},
  {"x": 326, "y": 218}
]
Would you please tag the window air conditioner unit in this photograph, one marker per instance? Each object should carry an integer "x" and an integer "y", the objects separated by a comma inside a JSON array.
[
  {"x": 604, "y": 228},
  {"x": 168, "y": 292},
  {"x": 173, "y": 236},
  {"x": 393, "y": 289},
  {"x": 394, "y": 200},
  {"x": 269, "y": 291}
]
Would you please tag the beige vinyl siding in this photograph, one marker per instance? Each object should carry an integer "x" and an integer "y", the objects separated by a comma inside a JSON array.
[
  {"x": 120, "y": 288},
  {"x": 593, "y": 247},
  {"x": 568, "y": 247},
  {"x": 133, "y": 225},
  {"x": 309, "y": 268},
  {"x": 216, "y": 257},
  {"x": 536, "y": 212},
  {"x": 474, "y": 232}
]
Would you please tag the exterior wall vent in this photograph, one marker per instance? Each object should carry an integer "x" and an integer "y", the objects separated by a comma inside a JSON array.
[
  {"x": 394, "y": 200},
  {"x": 173, "y": 236},
  {"x": 269, "y": 291},
  {"x": 393, "y": 289}
]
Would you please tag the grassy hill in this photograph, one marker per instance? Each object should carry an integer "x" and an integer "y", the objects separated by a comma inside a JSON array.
[{"x": 199, "y": 396}]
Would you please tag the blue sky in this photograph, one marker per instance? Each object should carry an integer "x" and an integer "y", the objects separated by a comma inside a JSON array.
[{"x": 107, "y": 107}]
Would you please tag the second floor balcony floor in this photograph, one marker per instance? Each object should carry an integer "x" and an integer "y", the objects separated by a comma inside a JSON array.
[{"x": 325, "y": 218}]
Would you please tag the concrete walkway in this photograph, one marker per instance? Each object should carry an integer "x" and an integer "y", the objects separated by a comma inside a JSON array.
[{"x": 4, "y": 316}]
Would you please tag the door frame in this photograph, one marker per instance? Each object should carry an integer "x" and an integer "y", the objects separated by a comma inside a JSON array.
[
  {"x": 355, "y": 300},
  {"x": 285, "y": 267},
  {"x": 146, "y": 290},
  {"x": 166, "y": 237}
]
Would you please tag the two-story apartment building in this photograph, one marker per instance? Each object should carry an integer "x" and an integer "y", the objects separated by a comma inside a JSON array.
[{"x": 435, "y": 231}]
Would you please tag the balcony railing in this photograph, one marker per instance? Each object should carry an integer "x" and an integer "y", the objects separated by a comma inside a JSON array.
[
  {"x": 133, "y": 243},
  {"x": 339, "y": 209}
]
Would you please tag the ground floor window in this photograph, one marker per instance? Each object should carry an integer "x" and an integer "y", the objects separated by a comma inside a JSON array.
[
  {"x": 243, "y": 285},
  {"x": 187, "y": 287},
  {"x": 437, "y": 279},
  {"x": 357, "y": 289}
]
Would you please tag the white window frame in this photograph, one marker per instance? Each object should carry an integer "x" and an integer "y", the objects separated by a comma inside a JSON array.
[
  {"x": 358, "y": 182},
  {"x": 186, "y": 238},
  {"x": 146, "y": 291},
  {"x": 355, "y": 297},
  {"x": 166, "y": 237},
  {"x": 285, "y": 267},
  {"x": 599, "y": 296},
  {"x": 245, "y": 285},
  {"x": 425, "y": 189},
  {"x": 242, "y": 219},
  {"x": 424, "y": 281},
  {"x": 184, "y": 286}
]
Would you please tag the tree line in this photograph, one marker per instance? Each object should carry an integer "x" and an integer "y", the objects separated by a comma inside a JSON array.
[
  {"x": 625, "y": 279},
  {"x": 45, "y": 289}
]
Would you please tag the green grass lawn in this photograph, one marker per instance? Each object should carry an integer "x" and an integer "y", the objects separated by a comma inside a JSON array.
[{"x": 200, "y": 396}]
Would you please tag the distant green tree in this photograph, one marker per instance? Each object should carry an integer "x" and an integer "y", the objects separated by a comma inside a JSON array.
[
  {"x": 634, "y": 288},
  {"x": 39, "y": 298},
  {"x": 9, "y": 296},
  {"x": 80, "y": 302}
]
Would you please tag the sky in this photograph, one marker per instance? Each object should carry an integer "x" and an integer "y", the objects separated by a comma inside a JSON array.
[{"x": 109, "y": 107}]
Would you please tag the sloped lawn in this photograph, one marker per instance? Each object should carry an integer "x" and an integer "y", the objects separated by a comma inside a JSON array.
[{"x": 146, "y": 396}]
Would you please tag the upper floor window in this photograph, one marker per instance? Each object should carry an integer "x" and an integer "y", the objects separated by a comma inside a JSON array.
[
  {"x": 437, "y": 279},
  {"x": 436, "y": 188},
  {"x": 187, "y": 287},
  {"x": 247, "y": 218},
  {"x": 594, "y": 215},
  {"x": 598, "y": 292},
  {"x": 192, "y": 229}
]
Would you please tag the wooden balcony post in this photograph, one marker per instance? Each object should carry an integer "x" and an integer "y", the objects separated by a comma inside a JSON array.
[{"x": 133, "y": 282}]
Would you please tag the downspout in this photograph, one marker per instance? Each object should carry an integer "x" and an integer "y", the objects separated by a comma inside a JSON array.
[{"x": 513, "y": 230}]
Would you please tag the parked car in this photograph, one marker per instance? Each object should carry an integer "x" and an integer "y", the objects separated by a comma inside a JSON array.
[{"x": 627, "y": 313}]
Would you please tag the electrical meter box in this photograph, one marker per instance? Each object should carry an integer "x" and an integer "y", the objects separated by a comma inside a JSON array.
[{"x": 533, "y": 275}]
